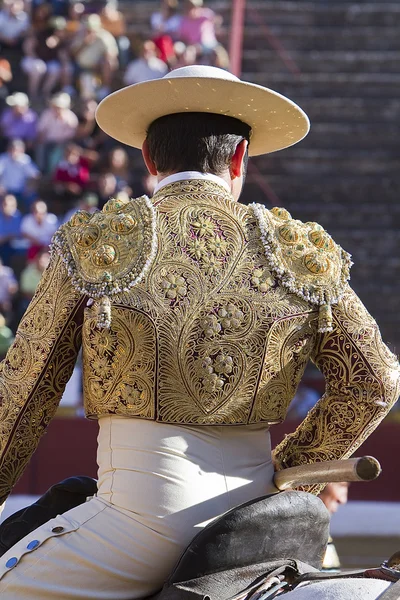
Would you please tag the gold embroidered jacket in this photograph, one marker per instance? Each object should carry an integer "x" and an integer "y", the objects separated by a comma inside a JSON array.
[{"x": 204, "y": 311}]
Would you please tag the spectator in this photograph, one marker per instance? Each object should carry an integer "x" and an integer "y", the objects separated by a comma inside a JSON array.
[
  {"x": 16, "y": 168},
  {"x": 219, "y": 58},
  {"x": 76, "y": 11},
  {"x": 167, "y": 20},
  {"x": 333, "y": 495},
  {"x": 18, "y": 121},
  {"x": 72, "y": 173},
  {"x": 40, "y": 16},
  {"x": 89, "y": 203},
  {"x": 88, "y": 134},
  {"x": 31, "y": 276},
  {"x": 106, "y": 188},
  {"x": 184, "y": 55},
  {"x": 5, "y": 78},
  {"x": 6, "y": 337},
  {"x": 11, "y": 242},
  {"x": 14, "y": 23},
  {"x": 120, "y": 167},
  {"x": 165, "y": 25},
  {"x": 113, "y": 21},
  {"x": 8, "y": 288},
  {"x": 96, "y": 55},
  {"x": 46, "y": 60},
  {"x": 147, "y": 67},
  {"x": 198, "y": 26},
  {"x": 38, "y": 227},
  {"x": 57, "y": 125}
]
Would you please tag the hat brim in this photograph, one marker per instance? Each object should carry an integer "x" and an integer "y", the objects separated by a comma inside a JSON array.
[{"x": 276, "y": 121}]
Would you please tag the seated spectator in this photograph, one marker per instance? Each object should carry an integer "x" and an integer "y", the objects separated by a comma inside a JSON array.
[
  {"x": 11, "y": 242},
  {"x": 106, "y": 187},
  {"x": 46, "y": 61},
  {"x": 89, "y": 203},
  {"x": 167, "y": 20},
  {"x": 6, "y": 337},
  {"x": 165, "y": 25},
  {"x": 95, "y": 52},
  {"x": 8, "y": 288},
  {"x": 119, "y": 165},
  {"x": 147, "y": 67},
  {"x": 198, "y": 25},
  {"x": 184, "y": 55},
  {"x": 88, "y": 134},
  {"x": 14, "y": 23},
  {"x": 76, "y": 11},
  {"x": 31, "y": 276},
  {"x": 113, "y": 21},
  {"x": 57, "y": 125},
  {"x": 38, "y": 228},
  {"x": 5, "y": 78},
  {"x": 333, "y": 495},
  {"x": 219, "y": 58},
  {"x": 40, "y": 16},
  {"x": 18, "y": 121},
  {"x": 72, "y": 174},
  {"x": 16, "y": 168}
]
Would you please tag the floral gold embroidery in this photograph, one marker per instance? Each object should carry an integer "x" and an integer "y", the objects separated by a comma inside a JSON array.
[
  {"x": 217, "y": 245},
  {"x": 210, "y": 326},
  {"x": 262, "y": 280},
  {"x": 174, "y": 286},
  {"x": 230, "y": 316},
  {"x": 197, "y": 248},
  {"x": 203, "y": 226}
]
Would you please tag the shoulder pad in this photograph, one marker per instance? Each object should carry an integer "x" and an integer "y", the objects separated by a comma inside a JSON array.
[
  {"x": 109, "y": 251},
  {"x": 304, "y": 258}
]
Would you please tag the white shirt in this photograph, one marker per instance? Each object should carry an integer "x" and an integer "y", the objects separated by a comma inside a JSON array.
[
  {"x": 14, "y": 173},
  {"x": 56, "y": 129},
  {"x": 162, "y": 25},
  {"x": 145, "y": 70},
  {"x": 13, "y": 27},
  {"x": 185, "y": 175},
  {"x": 43, "y": 232}
]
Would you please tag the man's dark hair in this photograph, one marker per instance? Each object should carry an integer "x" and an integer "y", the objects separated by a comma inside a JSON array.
[{"x": 202, "y": 142}]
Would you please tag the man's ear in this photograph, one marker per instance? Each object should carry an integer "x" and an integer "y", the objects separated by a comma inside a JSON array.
[
  {"x": 151, "y": 167},
  {"x": 237, "y": 161}
]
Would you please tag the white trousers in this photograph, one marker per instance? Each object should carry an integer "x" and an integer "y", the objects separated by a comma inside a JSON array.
[{"x": 158, "y": 485}]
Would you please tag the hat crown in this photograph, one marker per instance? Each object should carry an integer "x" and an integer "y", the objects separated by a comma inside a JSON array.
[{"x": 201, "y": 71}]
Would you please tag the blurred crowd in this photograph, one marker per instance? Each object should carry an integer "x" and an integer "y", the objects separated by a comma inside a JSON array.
[{"x": 58, "y": 59}]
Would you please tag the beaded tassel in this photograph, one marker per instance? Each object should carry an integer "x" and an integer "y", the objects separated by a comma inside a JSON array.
[
  {"x": 104, "y": 313},
  {"x": 325, "y": 320}
]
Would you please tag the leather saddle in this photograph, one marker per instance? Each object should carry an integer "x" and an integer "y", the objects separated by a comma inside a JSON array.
[{"x": 275, "y": 534}]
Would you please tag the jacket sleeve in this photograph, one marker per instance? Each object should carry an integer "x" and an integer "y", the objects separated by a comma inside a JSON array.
[
  {"x": 36, "y": 369},
  {"x": 361, "y": 385}
]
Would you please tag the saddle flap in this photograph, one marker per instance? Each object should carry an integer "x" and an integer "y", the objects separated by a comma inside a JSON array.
[{"x": 291, "y": 525}]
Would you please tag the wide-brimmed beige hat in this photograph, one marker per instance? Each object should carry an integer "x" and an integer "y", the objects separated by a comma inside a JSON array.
[{"x": 276, "y": 121}]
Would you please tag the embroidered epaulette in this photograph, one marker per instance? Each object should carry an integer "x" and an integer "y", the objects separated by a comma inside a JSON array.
[
  {"x": 109, "y": 251},
  {"x": 305, "y": 259}
]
